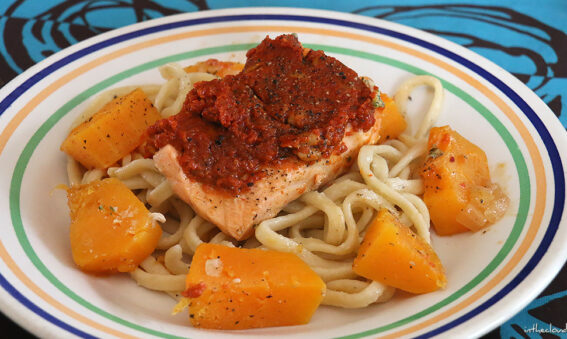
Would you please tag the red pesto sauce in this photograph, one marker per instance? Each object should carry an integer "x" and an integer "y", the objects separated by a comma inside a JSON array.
[{"x": 287, "y": 101}]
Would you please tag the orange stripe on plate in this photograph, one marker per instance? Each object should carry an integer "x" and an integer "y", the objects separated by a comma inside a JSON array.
[
  {"x": 50, "y": 300},
  {"x": 532, "y": 149}
]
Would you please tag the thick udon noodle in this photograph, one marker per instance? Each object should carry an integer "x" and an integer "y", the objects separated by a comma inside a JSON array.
[{"x": 324, "y": 228}]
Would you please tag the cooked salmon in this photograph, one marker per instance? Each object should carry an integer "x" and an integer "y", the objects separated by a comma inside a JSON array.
[
  {"x": 237, "y": 215},
  {"x": 246, "y": 145}
]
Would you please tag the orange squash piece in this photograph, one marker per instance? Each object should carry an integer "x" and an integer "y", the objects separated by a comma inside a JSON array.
[
  {"x": 113, "y": 132},
  {"x": 216, "y": 67},
  {"x": 235, "y": 288},
  {"x": 458, "y": 191},
  {"x": 111, "y": 229},
  {"x": 394, "y": 255},
  {"x": 393, "y": 122}
]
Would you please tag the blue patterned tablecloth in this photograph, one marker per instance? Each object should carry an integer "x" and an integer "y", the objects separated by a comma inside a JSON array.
[{"x": 526, "y": 37}]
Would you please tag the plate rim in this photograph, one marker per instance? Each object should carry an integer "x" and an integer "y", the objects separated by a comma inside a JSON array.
[{"x": 133, "y": 28}]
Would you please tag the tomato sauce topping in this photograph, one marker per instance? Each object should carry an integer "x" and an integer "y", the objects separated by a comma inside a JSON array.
[{"x": 288, "y": 106}]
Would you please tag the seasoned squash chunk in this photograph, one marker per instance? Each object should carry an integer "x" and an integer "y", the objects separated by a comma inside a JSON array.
[
  {"x": 458, "y": 191},
  {"x": 216, "y": 67},
  {"x": 111, "y": 229},
  {"x": 392, "y": 122},
  {"x": 113, "y": 132},
  {"x": 394, "y": 255},
  {"x": 236, "y": 288}
]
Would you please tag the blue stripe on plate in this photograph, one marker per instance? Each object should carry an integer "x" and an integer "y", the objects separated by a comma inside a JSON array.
[
  {"x": 37, "y": 310},
  {"x": 524, "y": 107}
]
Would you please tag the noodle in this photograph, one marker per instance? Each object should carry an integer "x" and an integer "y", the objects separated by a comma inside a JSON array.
[{"x": 324, "y": 228}]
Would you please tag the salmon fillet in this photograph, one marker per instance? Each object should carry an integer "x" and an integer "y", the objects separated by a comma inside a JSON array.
[
  {"x": 292, "y": 120},
  {"x": 237, "y": 215}
]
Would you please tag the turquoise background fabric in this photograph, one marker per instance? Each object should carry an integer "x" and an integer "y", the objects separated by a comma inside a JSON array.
[{"x": 527, "y": 38}]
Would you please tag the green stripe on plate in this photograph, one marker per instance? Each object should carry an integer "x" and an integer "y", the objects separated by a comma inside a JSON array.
[{"x": 21, "y": 165}]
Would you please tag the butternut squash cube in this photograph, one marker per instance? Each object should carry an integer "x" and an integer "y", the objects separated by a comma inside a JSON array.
[
  {"x": 458, "y": 191},
  {"x": 394, "y": 255},
  {"x": 113, "y": 132},
  {"x": 216, "y": 67},
  {"x": 236, "y": 288},
  {"x": 392, "y": 122},
  {"x": 111, "y": 229}
]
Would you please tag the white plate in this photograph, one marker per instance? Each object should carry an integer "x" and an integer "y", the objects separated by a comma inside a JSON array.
[{"x": 491, "y": 274}]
